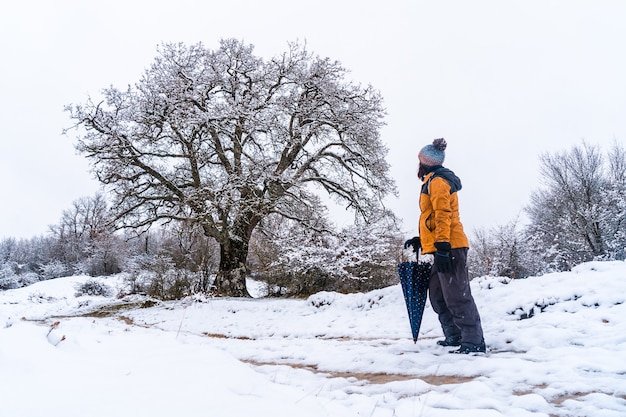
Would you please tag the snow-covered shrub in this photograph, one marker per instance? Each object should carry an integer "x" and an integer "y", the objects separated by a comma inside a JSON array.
[
  {"x": 322, "y": 298},
  {"x": 8, "y": 282},
  {"x": 28, "y": 278},
  {"x": 157, "y": 277},
  {"x": 11, "y": 276},
  {"x": 94, "y": 288},
  {"x": 54, "y": 269},
  {"x": 295, "y": 261},
  {"x": 8, "y": 278}
]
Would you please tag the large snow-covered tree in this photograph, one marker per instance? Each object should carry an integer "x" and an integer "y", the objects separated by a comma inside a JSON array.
[{"x": 223, "y": 138}]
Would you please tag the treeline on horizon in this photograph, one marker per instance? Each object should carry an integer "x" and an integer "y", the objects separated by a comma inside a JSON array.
[{"x": 577, "y": 215}]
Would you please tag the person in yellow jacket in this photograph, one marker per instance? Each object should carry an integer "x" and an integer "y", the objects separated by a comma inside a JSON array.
[{"x": 441, "y": 234}]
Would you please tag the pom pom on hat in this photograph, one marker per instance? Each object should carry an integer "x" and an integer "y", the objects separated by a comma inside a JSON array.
[
  {"x": 432, "y": 155},
  {"x": 440, "y": 144}
]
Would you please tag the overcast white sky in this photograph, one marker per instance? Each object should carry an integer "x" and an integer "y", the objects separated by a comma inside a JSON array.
[{"x": 502, "y": 81}]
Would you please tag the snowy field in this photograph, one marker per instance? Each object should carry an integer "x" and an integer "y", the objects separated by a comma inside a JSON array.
[{"x": 557, "y": 348}]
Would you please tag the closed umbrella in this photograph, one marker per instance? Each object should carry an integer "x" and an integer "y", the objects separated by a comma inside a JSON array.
[{"x": 414, "y": 278}]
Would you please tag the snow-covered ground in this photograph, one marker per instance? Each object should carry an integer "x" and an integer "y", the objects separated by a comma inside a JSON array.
[{"x": 557, "y": 348}]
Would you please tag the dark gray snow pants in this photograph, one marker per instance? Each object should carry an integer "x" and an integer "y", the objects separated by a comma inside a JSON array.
[{"x": 452, "y": 300}]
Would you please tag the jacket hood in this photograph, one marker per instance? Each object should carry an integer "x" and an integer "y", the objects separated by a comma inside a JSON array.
[{"x": 450, "y": 177}]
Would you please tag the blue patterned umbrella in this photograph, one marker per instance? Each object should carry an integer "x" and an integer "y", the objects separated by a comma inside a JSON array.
[{"x": 414, "y": 278}]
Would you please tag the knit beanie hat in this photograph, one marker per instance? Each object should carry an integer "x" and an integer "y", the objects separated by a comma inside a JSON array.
[{"x": 433, "y": 155}]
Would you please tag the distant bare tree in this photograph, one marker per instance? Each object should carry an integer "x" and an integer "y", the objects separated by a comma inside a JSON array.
[
  {"x": 615, "y": 218},
  {"x": 84, "y": 237},
  {"x": 222, "y": 138},
  {"x": 579, "y": 213},
  {"x": 501, "y": 251}
]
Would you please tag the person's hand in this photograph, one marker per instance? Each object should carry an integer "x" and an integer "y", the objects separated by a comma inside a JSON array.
[
  {"x": 443, "y": 261},
  {"x": 414, "y": 242}
]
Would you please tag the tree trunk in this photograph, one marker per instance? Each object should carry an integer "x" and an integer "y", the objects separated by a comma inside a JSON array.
[{"x": 231, "y": 277}]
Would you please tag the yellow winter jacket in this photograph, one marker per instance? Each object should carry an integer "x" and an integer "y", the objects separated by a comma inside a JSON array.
[{"x": 439, "y": 219}]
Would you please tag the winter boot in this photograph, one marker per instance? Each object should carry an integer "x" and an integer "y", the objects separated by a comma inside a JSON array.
[
  {"x": 450, "y": 341},
  {"x": 471, "y": 348}
]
